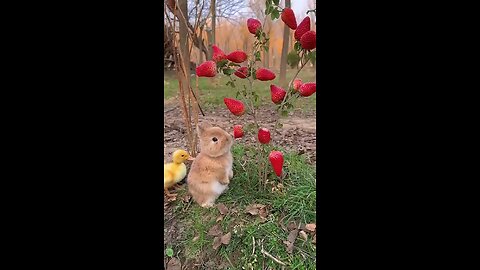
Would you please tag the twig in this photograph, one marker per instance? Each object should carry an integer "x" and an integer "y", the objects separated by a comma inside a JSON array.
[
  {"x": 228, "y": 259},
  {"x": 271, "y": 257},
  {"x": 304, "y": 252},
  {"x": 253, "y": 251},
  {"x": 169, "y": 110},
  {"x": 188, "y": 205}
]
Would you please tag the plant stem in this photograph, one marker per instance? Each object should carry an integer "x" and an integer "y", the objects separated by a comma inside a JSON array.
[{"x": 291, "y": 94}]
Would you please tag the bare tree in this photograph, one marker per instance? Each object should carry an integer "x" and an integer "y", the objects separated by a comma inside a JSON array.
[{"x": 283, "y": 59}]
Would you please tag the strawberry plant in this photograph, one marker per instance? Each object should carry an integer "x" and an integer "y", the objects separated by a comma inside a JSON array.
[{"x": 238, "y": 65}]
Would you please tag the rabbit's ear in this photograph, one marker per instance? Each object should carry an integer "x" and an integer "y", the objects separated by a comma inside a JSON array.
[{"x": 202, "y": 127}]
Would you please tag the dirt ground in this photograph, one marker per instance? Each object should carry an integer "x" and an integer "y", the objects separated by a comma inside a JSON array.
[{"x": 297, "y": 134}]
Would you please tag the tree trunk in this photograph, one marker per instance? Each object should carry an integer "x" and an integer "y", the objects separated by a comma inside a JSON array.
[
  {"x": 183, "y": 29},
  {"x": 283, "y": 59},
  {"x": 211, "y": 36}
]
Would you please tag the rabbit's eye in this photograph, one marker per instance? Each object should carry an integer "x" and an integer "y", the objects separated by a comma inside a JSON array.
[{"x": 214, "y": 139}]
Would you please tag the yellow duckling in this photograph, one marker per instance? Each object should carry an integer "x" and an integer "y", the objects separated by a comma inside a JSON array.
[{"x": 175, "y": 171}]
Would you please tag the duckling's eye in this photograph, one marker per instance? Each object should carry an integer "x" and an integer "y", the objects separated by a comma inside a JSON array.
[
  {"x": 183, "y": 155},
  {"x": 214, "y": 139}
]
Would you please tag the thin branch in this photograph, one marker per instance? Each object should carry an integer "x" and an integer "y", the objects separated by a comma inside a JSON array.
[{"x": 272, "y": 257}]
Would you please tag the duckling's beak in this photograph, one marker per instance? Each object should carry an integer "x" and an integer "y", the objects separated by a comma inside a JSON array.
[{"x": 191, "y": 158}]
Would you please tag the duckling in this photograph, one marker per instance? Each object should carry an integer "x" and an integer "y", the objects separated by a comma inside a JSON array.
[{"x": 175, "y": 171}]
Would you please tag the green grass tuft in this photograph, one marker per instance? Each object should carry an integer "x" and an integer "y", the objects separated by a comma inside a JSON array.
[{"x": 295, "y": 203}]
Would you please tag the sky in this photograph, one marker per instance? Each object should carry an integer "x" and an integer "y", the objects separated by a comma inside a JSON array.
[{"x": 299, "y": 7}]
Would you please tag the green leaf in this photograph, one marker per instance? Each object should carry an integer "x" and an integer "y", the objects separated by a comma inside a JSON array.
[
  {"x": 275, "y": 14},
  {"x": 257, "y": 56},
  {"x": 222, "y": 63},
  {"x": 268, "y": 7},
  {"x": 169, "y": 252},
  {"x": 297, "y": 46},
  {"x": 228, "y": 71},
  {"x": 276, "y": 2},
  {"x": 284, "y": 113}
]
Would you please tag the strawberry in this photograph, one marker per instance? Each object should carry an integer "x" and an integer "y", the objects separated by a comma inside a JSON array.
[
  {"x": 235, "y": 106},
  {"x": 277, "y": 94},
  {"x": 264, "y": 135},
  {"x": 276, "y": 159},
  {"x": 309, "y": 40},
  {"x": 288, "y": 17},
  {"x": 237, "y": 56},
  {"x": 302, "y": 28},
  {"x": 264, "y": 74},
  {"x": 307, "y": 89},
  {"x": 207, "y": 69},
  {"x": 296, "y": 84},
  {"x": 242, "y": 72},
  {"x": 253, "y": 25},
  {"x": 237, "y": 131},
  {"x": 218, "y": 54}
]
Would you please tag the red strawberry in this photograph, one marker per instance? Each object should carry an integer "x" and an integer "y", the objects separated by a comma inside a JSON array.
[
  {"x": 242, "y": 72},
  {"x": 218, "y": 54},
  {"x": 296, "y": 84},
  {"x": 277, "y": 94},
  {"x": 235, "y": 106},
  {"x": 253, "y": 25},
  {"x": 264, "y": 135},
  {"x": 207, "y": 69},
  {"x": 264, "y": 74},
  {"x": 276, "y": 159},
  {"x": 288, "y": 17},
  {"x": 307, "y": 89},
  {"x": 302, "y": 28},
  {"x": 237, "y": 56},
  {"x": 237, "y": 131},
  {"x": 309, "y": 40}
]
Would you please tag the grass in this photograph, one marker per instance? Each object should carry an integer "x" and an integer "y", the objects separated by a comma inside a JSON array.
[
  {"x": 212, "y": 91},
  {"x": 295, "y": 203}
]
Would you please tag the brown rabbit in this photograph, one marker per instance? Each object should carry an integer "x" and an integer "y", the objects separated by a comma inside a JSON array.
[{"x": 211, "y": 170}]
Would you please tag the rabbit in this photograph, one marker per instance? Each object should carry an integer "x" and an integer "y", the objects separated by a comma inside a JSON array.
[{"x": 211, "y": 170}]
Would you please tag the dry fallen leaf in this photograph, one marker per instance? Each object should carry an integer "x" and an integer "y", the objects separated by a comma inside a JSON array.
[
  {"x": 311, "y": 227},
  {"x": 289, "y": 246},
  {"x": 226, "y": 238},
  {"x": 215, "y": 230},
  {"x": 222, "y": 208},
  {"x": 301, "y": 226},
  {"x": 174, "y": 264},
  {"x": 262, "y": 212},
  {"x": 219, "y": 218},
  {"x": 216, "y": 242},
  {"x": 303, "y": 235},
  {"x": 195, "y": 238},
  {"x": 171, "y": 199},
  {"x": 187, "y": 198},
  {"x": 292, "y": 236},
  {"x": 291, "y": 226},
  {"x": 254, "y": 209}
]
